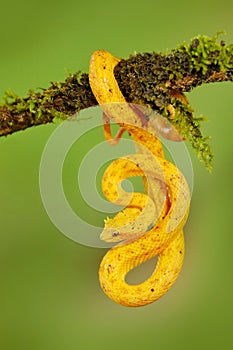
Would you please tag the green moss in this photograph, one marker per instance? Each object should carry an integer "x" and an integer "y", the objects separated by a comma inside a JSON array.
[{"x": 205, "y": 51}]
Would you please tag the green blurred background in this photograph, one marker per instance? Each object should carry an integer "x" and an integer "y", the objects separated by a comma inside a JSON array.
[{"x": 49, "y": 293}]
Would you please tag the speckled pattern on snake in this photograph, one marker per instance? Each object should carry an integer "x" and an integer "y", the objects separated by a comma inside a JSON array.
[{"x": 150, "y": 224}]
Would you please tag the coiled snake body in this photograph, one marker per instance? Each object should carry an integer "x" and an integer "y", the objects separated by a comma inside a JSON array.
[{"x": 151, "y": 224}]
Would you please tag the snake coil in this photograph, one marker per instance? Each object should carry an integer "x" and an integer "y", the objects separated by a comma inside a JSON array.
[{"x": 164, "y": 208}]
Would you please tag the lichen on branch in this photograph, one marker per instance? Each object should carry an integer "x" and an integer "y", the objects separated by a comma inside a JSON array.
[{"x": 155, "y": 80}]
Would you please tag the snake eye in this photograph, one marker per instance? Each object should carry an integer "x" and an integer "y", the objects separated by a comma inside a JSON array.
[{"x": 115, "y": 233}]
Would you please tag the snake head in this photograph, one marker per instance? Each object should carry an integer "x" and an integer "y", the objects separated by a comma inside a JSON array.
[
  {"x": 111, "y": 235},
  {"x": 125, "y": 227},
  {"x": 113, "y": 230}
]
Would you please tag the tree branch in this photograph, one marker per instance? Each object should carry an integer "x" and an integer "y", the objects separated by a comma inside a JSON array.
[{"x": 155, "y": 80}]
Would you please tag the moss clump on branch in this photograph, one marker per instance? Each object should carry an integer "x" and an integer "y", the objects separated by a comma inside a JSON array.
[
  {"x": 60, "y": 100},
  {"x": 154, "y": 80},
  {"x": 159, "y": 81}
]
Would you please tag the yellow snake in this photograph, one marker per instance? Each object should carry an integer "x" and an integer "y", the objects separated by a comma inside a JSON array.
[{"x": 151, "y": 224}]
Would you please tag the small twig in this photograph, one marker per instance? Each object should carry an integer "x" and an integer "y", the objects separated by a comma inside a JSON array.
[{"x": 157, "y": 81}]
